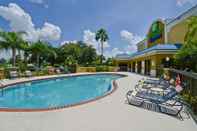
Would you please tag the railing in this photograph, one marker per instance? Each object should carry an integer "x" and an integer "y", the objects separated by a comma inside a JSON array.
[{"x": 189, "y": 80}]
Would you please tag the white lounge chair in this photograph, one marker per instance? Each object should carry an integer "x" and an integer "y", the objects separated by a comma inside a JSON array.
[
  {"x": 28, "y": 73},
  {"x": 161, "y": 83},
  {"x": 151, "y": 106},
  {"x": 133, "y": 100},
  {"x": 171, "y": 107},
  {"x": 58, "y": 71},
  {"x": 13, "y": 74}
]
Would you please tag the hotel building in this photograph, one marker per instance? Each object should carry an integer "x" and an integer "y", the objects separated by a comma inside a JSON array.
[{"x": 157, "y": 50}]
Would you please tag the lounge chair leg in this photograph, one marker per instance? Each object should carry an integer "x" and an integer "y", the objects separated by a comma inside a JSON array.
[{"x": 180, "y": 116}]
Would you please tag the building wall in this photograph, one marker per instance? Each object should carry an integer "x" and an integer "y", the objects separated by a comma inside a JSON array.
[
  {"x": 177, "y": 33},
  {"x": 119, "y": 63},
  {"x": 173, "y": 32},
  {"x": 155, "y": 65}
]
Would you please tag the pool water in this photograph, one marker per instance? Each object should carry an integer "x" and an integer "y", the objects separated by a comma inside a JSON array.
[{"x": 57, "y": 92}]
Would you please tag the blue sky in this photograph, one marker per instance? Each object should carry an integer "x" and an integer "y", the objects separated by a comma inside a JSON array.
[{"x": 126, "y": 21}]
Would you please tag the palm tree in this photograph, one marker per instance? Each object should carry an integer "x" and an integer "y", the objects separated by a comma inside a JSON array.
[
  {"x": 38, "y": 48},
  {"x": 26, "y": 48},
  {"x": 51, "y": 54},
  {"x": 101, "y": 36},
  {"x": 13, "y": 41}
]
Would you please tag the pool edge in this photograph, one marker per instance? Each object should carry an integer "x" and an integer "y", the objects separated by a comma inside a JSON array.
[{"x": 113, "y": 83}]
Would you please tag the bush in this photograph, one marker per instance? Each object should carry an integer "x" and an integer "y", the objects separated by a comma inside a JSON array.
[
  {"x": 86, "y": 69},
  {"x": 191, "y": 100},
  {"x": 22, "y": 66},
  {"x": 102, "y": 68}
]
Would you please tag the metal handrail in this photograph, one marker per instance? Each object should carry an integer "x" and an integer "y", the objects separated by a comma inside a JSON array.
[{"x": 185, "y": 73}]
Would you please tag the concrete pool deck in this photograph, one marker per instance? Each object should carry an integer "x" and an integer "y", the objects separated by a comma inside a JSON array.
[{"x": 107, "y": 114}]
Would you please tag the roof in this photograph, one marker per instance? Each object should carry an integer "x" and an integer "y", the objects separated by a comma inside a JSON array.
[
  {"x": 190, "y": 12},
  {"x": 159, "y": 47},
  {"x": 187, "y": 13},
  {"x": 142, "y": 41},
  {"x": 123, "y": 56},
  {"x": 168, "y": 20}
]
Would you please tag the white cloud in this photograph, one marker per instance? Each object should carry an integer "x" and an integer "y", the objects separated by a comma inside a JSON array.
[
  {"x": 40, "y": 2},
  {"x": 113, "y": 52},
  {"x": 183, "y": 2},
  {"x": 89, "y": 39},
  {"x": 130, "y": 49},
  {"x": 22, "y": 21},
  {"x": 37, "y": 1},
  {"x": 6, "y": 54},
  {"x": 68, "y": 42},
  {"x": 131, "y": 39},
  {"x": 49, "y": 31}
]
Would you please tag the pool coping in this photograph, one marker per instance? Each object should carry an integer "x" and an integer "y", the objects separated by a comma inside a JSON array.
[{"x": 113, "y": 83}]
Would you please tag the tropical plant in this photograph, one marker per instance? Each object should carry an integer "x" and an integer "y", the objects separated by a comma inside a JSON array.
[
  {"x": 109, "y": 62},
  {"x": 26, "y": 48},
  {"x": 71, "y": 49},
  {"x": 188, "y": 53},
  {"x": 51, "y": 55},
  {"x": 80, "y": 52},
  {"x": 101, "y": 36},
  {"x": 87, "y": 55},
  {"x": 11, "y": 41},
  {"x": 37, "y": 50}
]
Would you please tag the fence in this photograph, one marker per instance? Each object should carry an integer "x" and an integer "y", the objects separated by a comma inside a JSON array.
[{"x": 189, "y": 79}]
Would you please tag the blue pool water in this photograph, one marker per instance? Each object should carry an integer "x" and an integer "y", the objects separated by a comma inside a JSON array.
[{"x": 55, "y": 92}]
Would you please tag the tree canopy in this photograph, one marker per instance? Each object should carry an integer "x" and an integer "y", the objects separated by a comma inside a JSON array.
[
  {"x": 42, "y": 53},
  {"x": 188, "y": 52},
  {"x": 12, "y": 41},
  {"x": 80, "y": 52}
]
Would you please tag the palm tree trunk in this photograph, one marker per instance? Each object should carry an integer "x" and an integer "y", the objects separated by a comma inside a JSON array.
[
  {"x": 13, "y": 56},
  {"x": 38, "y": 60},
  {"x": 19, "y": 53},
  {"x": 101, "y": 52},
  {"x": 25, "y": 57}
]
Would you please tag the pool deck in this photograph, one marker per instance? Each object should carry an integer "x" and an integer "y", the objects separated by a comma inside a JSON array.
[{"x": 110, "y": 113}]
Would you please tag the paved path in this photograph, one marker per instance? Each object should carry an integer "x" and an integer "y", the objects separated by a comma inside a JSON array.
[{"x": 107, "y": 114}]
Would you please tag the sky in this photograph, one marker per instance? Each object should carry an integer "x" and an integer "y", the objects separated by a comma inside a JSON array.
[{"x": 63, "y": 21}]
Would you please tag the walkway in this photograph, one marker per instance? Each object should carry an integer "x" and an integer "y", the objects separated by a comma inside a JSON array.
[{"x": 107, "y": 114}]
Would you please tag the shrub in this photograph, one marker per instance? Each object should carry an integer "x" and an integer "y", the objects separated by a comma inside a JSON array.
[
  {"x": 102, "y": 68},
  {"x": 22, "y": 66},
  {"x": 86, "y": 69},
  {"x": 191, "y": 100}
]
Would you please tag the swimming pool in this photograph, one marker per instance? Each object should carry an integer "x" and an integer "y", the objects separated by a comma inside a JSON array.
[{"x": 56, "y": 92}]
